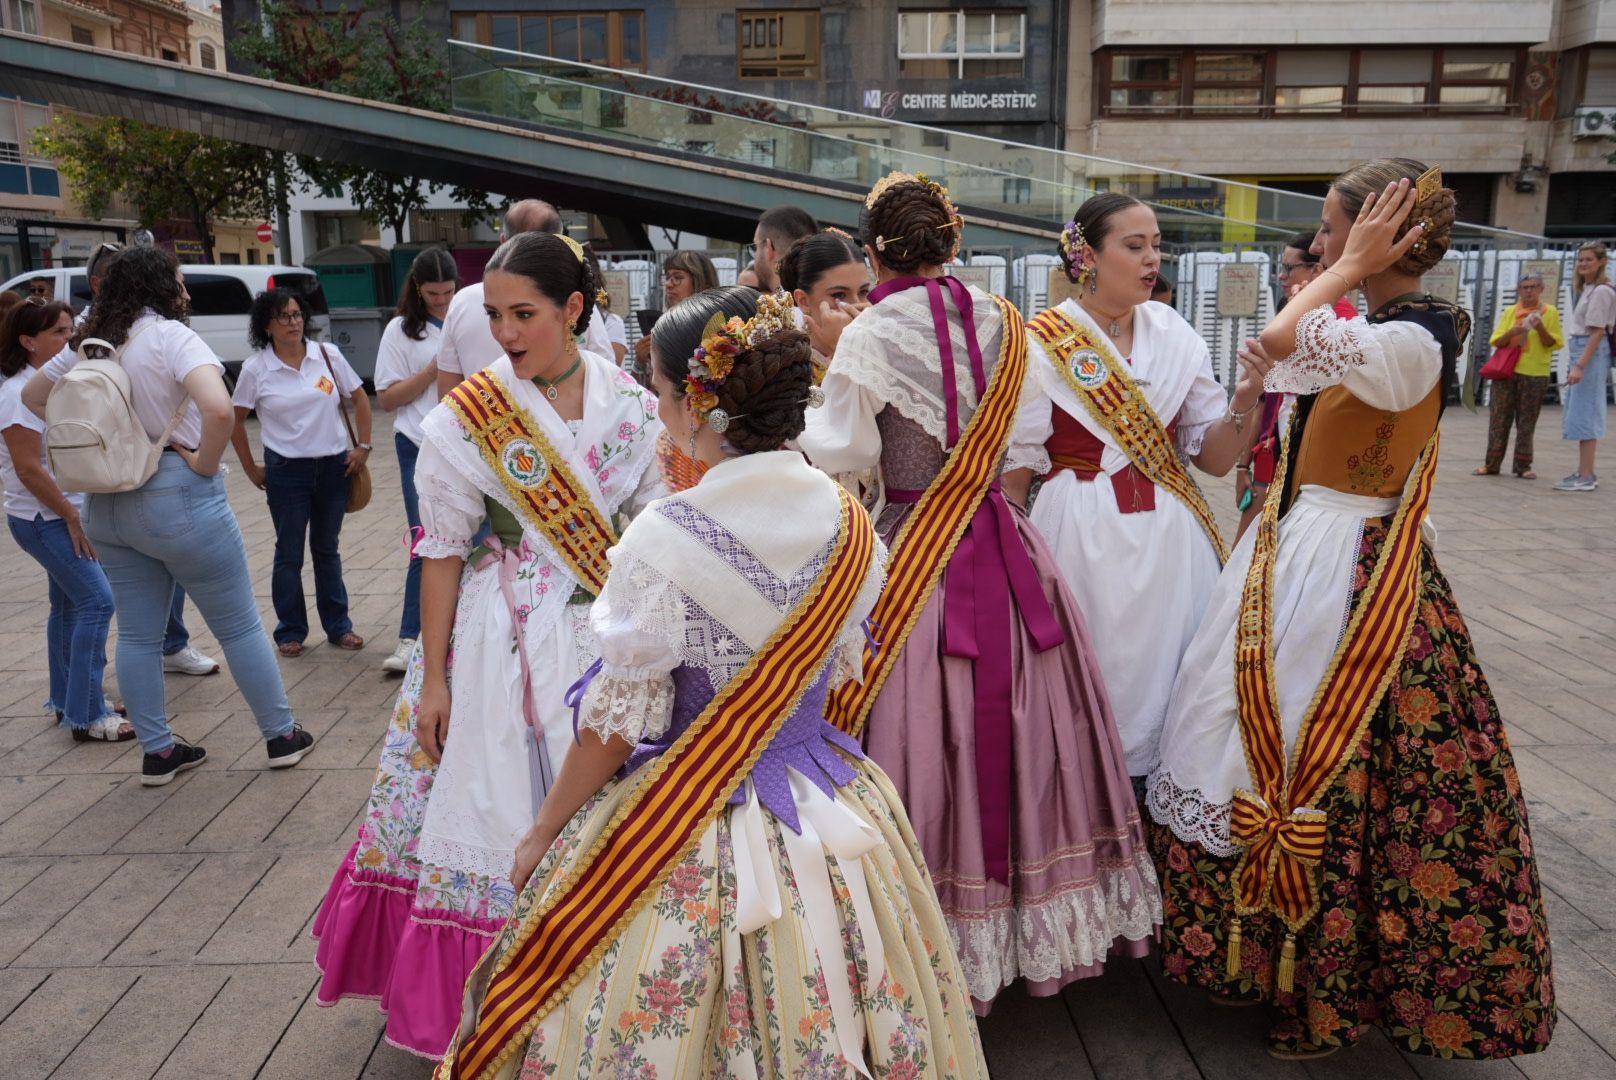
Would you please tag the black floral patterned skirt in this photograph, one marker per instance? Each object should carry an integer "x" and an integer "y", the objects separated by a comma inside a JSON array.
[{"x": 1432, "y": 924}]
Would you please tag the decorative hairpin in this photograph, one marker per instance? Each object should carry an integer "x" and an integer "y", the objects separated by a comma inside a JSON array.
[
  {"x": 1072, "y": 243},
  {"x": 721, "y": 342},
  {"x": 577, "y": 248},
  {"x": 895, "y": 179},
  {"x": 1429, "y": 184},
  {"x": 603, "y": 298}
]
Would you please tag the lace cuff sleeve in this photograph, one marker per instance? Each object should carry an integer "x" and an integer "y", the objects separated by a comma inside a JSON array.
[
  {"x": 1327, "y": 347},
  {"x": 635, "y": 710}
]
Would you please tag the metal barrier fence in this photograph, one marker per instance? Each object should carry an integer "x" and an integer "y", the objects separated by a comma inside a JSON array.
[{"x": 1227, "y": 292}]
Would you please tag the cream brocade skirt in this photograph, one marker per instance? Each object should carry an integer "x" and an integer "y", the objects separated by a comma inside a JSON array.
[{"x": 683, "y": 993}]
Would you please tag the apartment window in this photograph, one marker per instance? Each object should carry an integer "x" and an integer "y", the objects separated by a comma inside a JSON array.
[
  {"x": 777, "y": 44},
  {"x": 1308, "y": 82},
  {"x": 208, "y": 57},
  {"x": 961, "y": 44},
  {"x": 82, "y": 35},
  {"x": 613, "y": 39},
  {"x": 171, "y": 56},
  {"x": 22, "y": 16}
]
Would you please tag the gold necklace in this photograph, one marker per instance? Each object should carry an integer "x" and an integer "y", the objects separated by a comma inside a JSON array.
[{"x": 1115, "y": 329}]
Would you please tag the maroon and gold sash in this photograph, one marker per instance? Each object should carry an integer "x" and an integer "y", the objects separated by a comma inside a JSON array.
[
  {"x": 928, "y": 537},
  {"x": 680, "y": 471},
  {"x": 1101, "y": 381},
  {"x": 672, "y": 803},
  {"x": 1284, "y": 837},
  {"x": 538, "y": 478}
]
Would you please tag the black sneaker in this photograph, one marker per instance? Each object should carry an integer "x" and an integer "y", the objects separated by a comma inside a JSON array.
[
  {"x": 289, "y": 749},
  {"x": 157, "y": 769}
]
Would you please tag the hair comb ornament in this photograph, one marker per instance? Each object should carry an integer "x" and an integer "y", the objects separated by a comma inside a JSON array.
[
  {"x": 721, "y": 342},
  {"x": 1072, "y": 243},
  {"x": 576, "y": 248},
  {"x": 1429, "y": 184}
]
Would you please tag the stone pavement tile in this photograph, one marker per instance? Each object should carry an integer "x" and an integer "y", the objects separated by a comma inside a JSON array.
[
  {"x": 322, "y": 1043},
  {"x": 35, "y": 753},
  {"x": 388, "y": 1062},
  {"x": 1575, "y": 662},
  {"x": 97, "y": 924},
  {"x": 197, "y": 800},
  {"x": 1570, "y": 1056},
  {"x": 349, "y": 742},
  {"x": 1585, "y": 990},
  {"x": 97, "y": 829},
  {"x": 57, "y": 1016},
  {"x": 1125, "y": 1028},
  {"x": 1529, "y": 722},
  {"x": 1594, "y": 766},
  {"x": 240, "y": 1027},
  {"x": 1564, "y": 918},
  {"x": 1566, "y": 623},
  {"x": 18, "y": 792},
  {"x": 1505, "y": 622},
  {"x": 1556, "y": 794},
  {"x": 177, "y": 928},
  {"x": 267, "y": 926},
  {"x": 1434, "y": 1068},
  {"x": 321, "y": 820},
  {"x": 16, "y": 874},
  {"x": 246, "y": 749},
  {"x": 145, "y": 1025},
  {"x": 55, "y": 807},
  {"x": 1579, "y": 880},
  {"x": 48, "y": 899},
  {"x": 1033, "y": 1038},
  {"x": 1226, "y": 1043},
  {"x": 1374, "y": 1056},
  {"x": 16, "y": 987},
  {"x": 1591, "y": 838},
  {"x": 252, "y": 815}
]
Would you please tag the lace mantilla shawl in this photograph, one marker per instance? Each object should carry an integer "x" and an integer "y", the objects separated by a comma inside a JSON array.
[
  {"x": 892, "y": 350},
  {"x": 649, "y": 623}
]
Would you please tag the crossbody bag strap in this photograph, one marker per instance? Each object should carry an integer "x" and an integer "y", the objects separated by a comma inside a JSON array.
[{"x": 342, "y": 406}]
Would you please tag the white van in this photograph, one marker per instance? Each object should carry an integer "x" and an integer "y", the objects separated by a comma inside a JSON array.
[{"x": 221, "y": 299}]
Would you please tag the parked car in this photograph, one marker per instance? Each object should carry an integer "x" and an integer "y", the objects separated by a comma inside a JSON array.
[{"x": 221, "y": 299}]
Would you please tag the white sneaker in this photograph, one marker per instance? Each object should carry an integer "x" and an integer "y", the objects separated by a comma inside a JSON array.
[
  {"x": 400, "y": 659},
  {"x": 190, "y": 662}
]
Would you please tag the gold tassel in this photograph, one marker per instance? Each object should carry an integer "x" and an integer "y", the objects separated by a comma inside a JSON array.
[
  {"x": 1231, "y": 966},
  {"x": 1286, "y": 978}
]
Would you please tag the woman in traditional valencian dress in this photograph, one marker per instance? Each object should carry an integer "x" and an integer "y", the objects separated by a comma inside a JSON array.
[
  {"x": 982, "y": 697},
  {"x": 549, "y": 445},
  {"x": 1350, "y": 841},
  {"x": 739, "y": 894},
  {"x": 1127, "y": 395}
]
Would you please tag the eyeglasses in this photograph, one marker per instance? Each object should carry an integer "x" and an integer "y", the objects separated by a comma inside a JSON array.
[
  {"x": 287, "y": 318},
  {"x": 39, "y": 290},
  {"x": 1285, "y": 268}
]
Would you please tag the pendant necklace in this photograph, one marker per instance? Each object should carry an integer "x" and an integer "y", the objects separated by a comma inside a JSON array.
[
  {"x": 1115, "y": 329},
  {"x": 550, "y": 386}
]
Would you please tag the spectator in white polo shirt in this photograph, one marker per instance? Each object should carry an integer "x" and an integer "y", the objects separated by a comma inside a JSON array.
[
  {"x": 406, "y": 385},
  {"x": 297, "y": 386},
  {"x": 468, "y": 344}
]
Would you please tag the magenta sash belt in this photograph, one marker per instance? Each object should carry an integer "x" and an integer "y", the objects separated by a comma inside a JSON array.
[{"x": 992, "y": 567}]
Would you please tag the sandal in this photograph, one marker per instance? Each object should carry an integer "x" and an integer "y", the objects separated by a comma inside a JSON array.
[
  {"x": 1528, "y": 474},
  {"x": 109, "y": 728},
  {"x": 290, "y": 648},
  {"x": 350, "y": 641},
  {"x": 1483, "y": 471}
]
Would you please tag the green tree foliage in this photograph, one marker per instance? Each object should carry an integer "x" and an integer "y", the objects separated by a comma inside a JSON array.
[
  {"x": 164, "y": 174},
  {"x": 361, "y": 52}
]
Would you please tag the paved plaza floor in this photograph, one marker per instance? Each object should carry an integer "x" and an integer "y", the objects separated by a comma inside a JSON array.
[{"x": 163, "y": 932}]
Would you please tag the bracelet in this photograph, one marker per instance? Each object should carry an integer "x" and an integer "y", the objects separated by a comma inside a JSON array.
[
  {"x": 1242, "y": 468},
  {"x": 365, "y": 446},
  {"x": 1338, "y": 277},
  {"x": 1238, "y": 419}
]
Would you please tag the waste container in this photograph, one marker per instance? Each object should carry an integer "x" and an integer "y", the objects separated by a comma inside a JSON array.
[
  {"x": 354, "y": 275},
  {"x": 358, "y": 333}
]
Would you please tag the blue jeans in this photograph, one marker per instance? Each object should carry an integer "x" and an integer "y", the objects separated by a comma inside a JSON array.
[
  {"x": 308, "y": 498},
  {"x": 179, "y": 529},
  {"x": 76, "y": 628},
  {"x": 176, "y": 637},
  {"x": 409, "y": 625}
]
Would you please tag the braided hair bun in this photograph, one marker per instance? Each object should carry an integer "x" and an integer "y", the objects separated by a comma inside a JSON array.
[
  {"x": 766, "y": 395},
  {"x": 910, "y": 223},
  {"x": 1437, "y": 211}
]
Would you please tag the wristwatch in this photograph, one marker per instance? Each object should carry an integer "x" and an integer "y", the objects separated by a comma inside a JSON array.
[{"x": 362, "y": 446}]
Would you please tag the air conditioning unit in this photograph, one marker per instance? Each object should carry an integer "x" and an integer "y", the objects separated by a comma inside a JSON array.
[{"x": 1594, "y": 122}]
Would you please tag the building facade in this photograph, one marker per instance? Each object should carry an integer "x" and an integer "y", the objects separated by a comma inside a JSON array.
[{"x": 1498, "y": 92}]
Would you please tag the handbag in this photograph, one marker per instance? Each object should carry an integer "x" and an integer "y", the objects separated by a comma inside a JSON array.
[
  {"x": 358, "y": 482},
  {"x": 1501, "y": 364}
]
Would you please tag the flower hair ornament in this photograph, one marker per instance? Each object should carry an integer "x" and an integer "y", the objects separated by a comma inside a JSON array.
[
  {"x": 1072, "y": 243},
  {"x": 955, "y": 222},
  {"x": 721, "y": 342}
]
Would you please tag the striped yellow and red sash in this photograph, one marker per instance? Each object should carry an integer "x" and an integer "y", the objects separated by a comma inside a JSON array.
[
  {"x": 679, "y": 470},
  {"x": 920, "y": 551},
  {"x": 1283, "y": 835},
  {"x": 673, "y": 802},
  {"x": 1104, "y": 385},
  {"x": 538, "y": 478}
]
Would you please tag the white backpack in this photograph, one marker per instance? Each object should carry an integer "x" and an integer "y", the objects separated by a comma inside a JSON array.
[{"x": 93, "y": 436}]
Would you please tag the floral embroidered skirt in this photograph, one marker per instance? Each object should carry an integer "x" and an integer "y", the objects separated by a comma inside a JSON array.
[
  {"x": 683, "y": 993},
  {"x": 393, "y": 928},
  {"x": 1432, "y": 925}
]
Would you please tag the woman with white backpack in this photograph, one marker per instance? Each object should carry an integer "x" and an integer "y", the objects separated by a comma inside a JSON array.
[{"x": 176, "y": 526}]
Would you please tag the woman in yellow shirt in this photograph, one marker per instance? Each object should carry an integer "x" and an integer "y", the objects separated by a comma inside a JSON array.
[{"x": 1533, "y": 327}]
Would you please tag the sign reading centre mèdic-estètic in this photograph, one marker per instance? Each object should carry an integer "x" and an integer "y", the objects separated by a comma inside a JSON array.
[{"x": 890, "y": 102}]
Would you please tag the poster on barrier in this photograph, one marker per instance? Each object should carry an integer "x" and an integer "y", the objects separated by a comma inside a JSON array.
[
  {"x": 979, "y": 277},
  {"x": 1061, "y": 287},
  {"x": 1547, "y": 269},
  {"x": 615, "y": 282},
  {"x": 1443, "y": 280},
  {"x": 1237, "y": 290}
]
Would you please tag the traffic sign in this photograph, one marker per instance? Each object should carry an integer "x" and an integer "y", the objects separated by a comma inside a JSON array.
[{"x": 265, "y": 233}]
